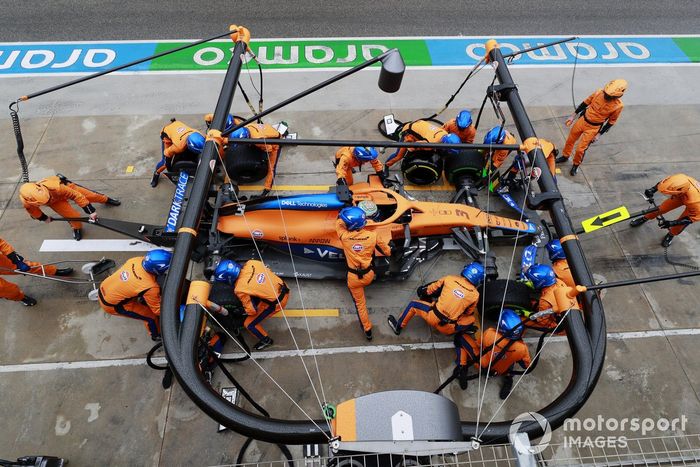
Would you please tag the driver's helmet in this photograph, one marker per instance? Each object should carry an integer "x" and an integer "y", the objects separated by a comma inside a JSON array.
[{"x": 370, "y": 209}]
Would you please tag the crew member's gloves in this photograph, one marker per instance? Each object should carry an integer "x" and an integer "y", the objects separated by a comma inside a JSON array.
[
  {"x": 471, "y": 329},
  {"x": 341, "y": 181},
  {"x": 18, "y": 261},
  {"x": 422, "y": 292},
  {"x": 649, "y": 192},
  {"x": 216, "y": 308},
  {"x": 541, "y": 314}
]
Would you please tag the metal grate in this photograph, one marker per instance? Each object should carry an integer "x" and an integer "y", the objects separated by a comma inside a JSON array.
[{"x": 681, "y": 450}]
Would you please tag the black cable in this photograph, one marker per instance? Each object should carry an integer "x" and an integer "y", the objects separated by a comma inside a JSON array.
[
  {"x": 121, "y": 67},
  {"x": 248, "y": 397},
  {"x": 573, "y": 76},
  {"x": 149, "y": 358},
  {"x": 260, "y": 101},
  {"x": 20, "y": 141},
  {"x": 459, "y": 89}
]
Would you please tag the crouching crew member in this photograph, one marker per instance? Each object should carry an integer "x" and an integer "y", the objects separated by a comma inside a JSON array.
[
  {"x": 421, "y": 131},
  {"x": 133, "y": 290},
  {"x": 555, "y": 299},
  {"x": 261, "y": 292},
  {"x": 54, "y": 192},
  {"x": 262, "y": 131},
  {"x": 359, "y": 246},
  {"x": 500, "y": 350},
  {"x": 683, "y": 191},
  {"x": 348, "y": 158},
  {"x": 447, "y": 305},
  {"x": 176, "y": 139},
  {"x": 462, "y": 126},
  {"x": 11, "y": 262},
  {"x": 596, "y": 115}
]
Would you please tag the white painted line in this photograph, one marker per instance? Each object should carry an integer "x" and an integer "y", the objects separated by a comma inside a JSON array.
[
  {"x": 523, "y": 66},
  {"x": 362, "y": 349},
  {"x": 101, "y": 245}
]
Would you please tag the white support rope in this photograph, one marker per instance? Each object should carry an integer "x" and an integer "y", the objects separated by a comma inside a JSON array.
[
  {"x": 534, "y": 359},
  {"x": 289, "y": 327},
  {"x": 274, "y": 381}
]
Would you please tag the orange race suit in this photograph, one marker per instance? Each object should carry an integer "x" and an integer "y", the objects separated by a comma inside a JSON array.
[
  {"x": 264, "y": 131},
  {"x": 597, "y": 115},
  {"x": 359, "y": 247},
  {"x": 134, "y": 293},
  {"x": 345, "y": 162},
  {"x": 563, "y": 272},
  {"x": 420, "y": 131},
  {"x": 453, "y": 309},
  {"x": 262, "y": 294},
  {"x": 497, "y": 352},
  {"x": 466, "y": 136},
  {"x": 8, "y": 264},
  {"x": 60, "y": 191},
  {"x": 553, "y": 309},
  {"x": 683, "y": 191},
  {"x": 174, "y": 142},
  {"x": 499, "y": 156}
]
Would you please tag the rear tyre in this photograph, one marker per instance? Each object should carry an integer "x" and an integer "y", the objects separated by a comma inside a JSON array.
[
  {"x": 245, "y": 163},
  {"x": 422, "y": 167},
  {"x": 518, "y": 296},
  {"x": 468, "y": 163}
]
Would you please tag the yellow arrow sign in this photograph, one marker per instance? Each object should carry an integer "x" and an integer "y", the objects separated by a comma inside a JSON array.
[{"x": 605, "y": 219}]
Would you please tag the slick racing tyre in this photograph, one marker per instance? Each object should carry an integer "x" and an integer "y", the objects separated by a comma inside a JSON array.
[
  {"x": 245, "y": 163},
  {"x": 518, "y": 296},
  {"x": 468, "y": 163},
  {"x": 422, "y": 167}
]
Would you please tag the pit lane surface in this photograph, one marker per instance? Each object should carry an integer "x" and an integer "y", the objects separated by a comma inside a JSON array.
[
  {"x": 118, "y": 415},
  {"x": 104, "y": 19}
]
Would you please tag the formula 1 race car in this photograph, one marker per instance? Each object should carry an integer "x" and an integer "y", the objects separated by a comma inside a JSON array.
[{"x": 304, "y": 225}]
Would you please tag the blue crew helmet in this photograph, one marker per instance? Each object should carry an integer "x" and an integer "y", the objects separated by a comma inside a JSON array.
[
  {"x": 474, "y": 273},
  {"x": 157, "y": 261},
  {"x": 227, "y": 272},
  {"x": 353, "y": 217},
  {"x": 541, "y": 276}
]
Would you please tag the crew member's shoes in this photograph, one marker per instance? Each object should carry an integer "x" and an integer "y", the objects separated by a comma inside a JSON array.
[
  {"x": 264, "y": 343},
  {"x": 113, "y": 202},
  {"x": 28, "y": 301},
  {"x": 156, "y": 338},
  {"x": 77, "y": 235},
  {"x": 666, "y": 242},
  {"x": 154, "y": 180},
  {"x": 368, "y": 334},
  {"x": 264, "y": 193},
  {"x": 574, "y": 170},
  {"x": 393, "y": 324},
  {"x": 638, "y": 221},
  {"x": 64, "y": 271},
  {"x": 462, "y": 376},
  {"x": 506, "y": 388},
  {"x": 561, "y": 159}
]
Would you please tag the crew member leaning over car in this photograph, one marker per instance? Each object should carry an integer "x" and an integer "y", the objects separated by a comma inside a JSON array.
[
  {"x": 421, "y": 131},
  {"x": 359, "y": 246}
]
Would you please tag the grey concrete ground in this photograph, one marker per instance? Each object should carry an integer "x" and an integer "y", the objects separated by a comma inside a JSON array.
[
  {"x": 103, "y": 19},
  {"x": 119, "y": 415}
]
